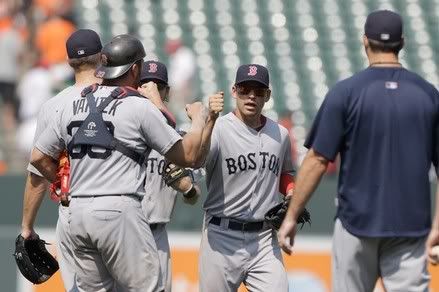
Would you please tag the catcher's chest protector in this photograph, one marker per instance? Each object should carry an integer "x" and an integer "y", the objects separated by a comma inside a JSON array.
[{"x": 94, "y": 131}]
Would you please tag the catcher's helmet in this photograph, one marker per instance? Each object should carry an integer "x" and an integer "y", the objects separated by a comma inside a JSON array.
[{"x": 119, "y": 55}]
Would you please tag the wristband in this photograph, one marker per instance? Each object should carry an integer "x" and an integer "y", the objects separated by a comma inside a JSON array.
[{"x": 190, "y": 193}]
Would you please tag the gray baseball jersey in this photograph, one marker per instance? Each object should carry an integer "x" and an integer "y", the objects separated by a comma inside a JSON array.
[
  {"x": 243, "y": 168},
  {"x": 160, "y": 199},
  {"x": 243, "y": 171},
  {"x": 137, "y": 123},
  {"x": 158, "y": 205}
]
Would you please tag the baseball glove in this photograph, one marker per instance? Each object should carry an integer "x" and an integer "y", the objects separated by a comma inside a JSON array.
[
  {"x": 173, "y": 173},
  {"x": 34, "y": 261},
  {"x": 275, "y": 216}
]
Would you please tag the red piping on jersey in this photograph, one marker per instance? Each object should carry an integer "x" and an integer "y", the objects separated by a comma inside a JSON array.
[{"x": 286, "y": 183}]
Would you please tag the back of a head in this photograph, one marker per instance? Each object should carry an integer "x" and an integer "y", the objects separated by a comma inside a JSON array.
[
  {"x": 83, "y": 49},
  {"x": 154, "y": 71},
  {"x": 384, "y": 31},
  {"x": 119, "y": 55}
]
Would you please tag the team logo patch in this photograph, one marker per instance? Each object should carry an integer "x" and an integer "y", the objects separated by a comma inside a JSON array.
[
  {"x": 384, "y": 36},
  {"x": 391, "y": 85},
  {"x": 81, "y": 52},
  {"x": 152, "y": 68},
  {"x": 91, "y": 132},
  {"x": 100, "y": 74},
  {"x": 252, "y": 70}
]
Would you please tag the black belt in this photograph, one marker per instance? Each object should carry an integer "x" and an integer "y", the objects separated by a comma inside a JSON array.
[
  {"x": 154, "y": 226},
  {"x": 240, "y": 226}
]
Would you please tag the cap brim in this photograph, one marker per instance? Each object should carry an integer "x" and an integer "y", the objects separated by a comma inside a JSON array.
[
  {"x": 105, "y": 72},
  {"x": 152, "y": 78},
  {"x": 251, "y": 79}
]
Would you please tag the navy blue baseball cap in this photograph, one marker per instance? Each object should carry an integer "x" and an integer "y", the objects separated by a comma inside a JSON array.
[
  {"x": 252, "y": 72},
  {"x": 83, "y": 43},
  {"x": 154, "y": 71},
  {"x": 384, "y": 26}
]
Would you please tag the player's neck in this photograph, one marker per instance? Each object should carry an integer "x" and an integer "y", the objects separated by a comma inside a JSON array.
[
  {"x": 254, "y": 121},
  {"x": 384, "y": 60},
  {"x": 86, "y": 77}
]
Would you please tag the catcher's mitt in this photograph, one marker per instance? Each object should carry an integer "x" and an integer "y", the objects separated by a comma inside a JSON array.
[
  {"x": 34, "y": 261},
  {"x": 172, "y": 173},
  {"x": 275, "y": 216}
]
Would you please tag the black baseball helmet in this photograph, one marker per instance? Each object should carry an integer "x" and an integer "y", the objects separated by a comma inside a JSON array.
[{"x": 119, "y": 55}]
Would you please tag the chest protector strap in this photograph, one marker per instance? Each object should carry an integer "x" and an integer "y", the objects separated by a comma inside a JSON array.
[{"x": 94, "y": 131}]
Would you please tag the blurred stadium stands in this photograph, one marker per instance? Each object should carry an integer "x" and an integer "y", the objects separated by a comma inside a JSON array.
[{"x": 308, "y": 45}]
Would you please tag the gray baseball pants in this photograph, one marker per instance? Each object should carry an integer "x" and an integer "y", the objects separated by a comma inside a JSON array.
[
  {"x": 64, "y": 250},
  {"x": 161, "y": 240},
  {"x": 113, "y": 245},
  {"x": 358, "y": 262},
  {"x": 229, "y": 258}
]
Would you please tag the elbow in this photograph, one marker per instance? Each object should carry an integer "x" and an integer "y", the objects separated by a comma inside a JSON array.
[
  {"x": 195, "y": 162},
  {"x": 319, "y": 161},
  {"x": 36, "y": 159}
]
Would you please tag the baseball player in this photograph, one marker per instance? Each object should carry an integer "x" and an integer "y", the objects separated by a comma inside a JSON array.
[
  {"x": 249, "y": 159},
  {"x": 384, "y": 123},
  {"x": 83, "y": 50},
  {"x": 109, "y": 131},
  {"x": 159, "y": 199}
]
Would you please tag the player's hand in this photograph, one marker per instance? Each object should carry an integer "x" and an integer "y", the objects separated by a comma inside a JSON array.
[
  {"x": 151, "y": 91},
  {"x": 286, "y": 234},
  {"x": 29, "y": 233},
  {"x": 432, "y": 240},
  {"x": 216, "y": 104},
  {"x": 196, "y": 110}
]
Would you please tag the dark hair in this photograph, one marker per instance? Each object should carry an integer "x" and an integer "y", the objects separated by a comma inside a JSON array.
[
  {"x": 92, "y": 61},
  {"x": 381, "y": 47}
]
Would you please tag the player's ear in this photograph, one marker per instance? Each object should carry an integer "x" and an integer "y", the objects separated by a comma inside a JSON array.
[
  {"x": 234, "y": 91},
  {"x": 167, "y": 89},
  {"x": 365, "y": 41},
  {"x": 268, "y": 95}
]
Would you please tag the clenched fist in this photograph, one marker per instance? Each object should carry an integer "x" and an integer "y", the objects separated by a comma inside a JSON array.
[
  {"x": 196, "y": 109},
  {"x": 150, "y": 91},
  {"x": 216, "y": 104}
]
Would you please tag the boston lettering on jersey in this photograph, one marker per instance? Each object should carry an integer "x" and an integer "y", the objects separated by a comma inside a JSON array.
[
  {"x": 81, "y": 106},
  {"x": 248, "y": 162}
]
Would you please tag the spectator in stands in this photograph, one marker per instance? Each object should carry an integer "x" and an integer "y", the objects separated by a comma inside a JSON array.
[
  {"x": 34, "y": 88},
  {"x": 182, "y": 67},
  {"x": 11, "y": 44}
]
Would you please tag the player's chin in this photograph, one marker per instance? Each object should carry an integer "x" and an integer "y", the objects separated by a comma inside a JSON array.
[{"x": 251, "y": 111}]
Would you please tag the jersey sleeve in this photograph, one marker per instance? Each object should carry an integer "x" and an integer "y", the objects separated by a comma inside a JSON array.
[
  {"x": 50, "y": 142},
  {"x": 287, "y": 164},
  {"x": 214, "y": 146},
  {"x": 327, "y": 132},
  {"x": 42, "y": 123},
  {"x": 157, "y": 133}
]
